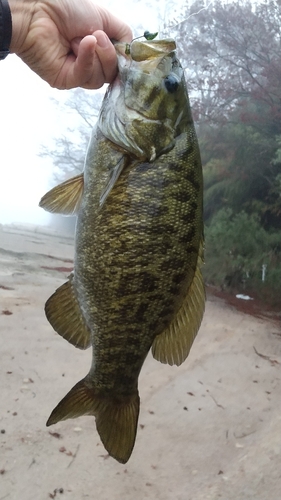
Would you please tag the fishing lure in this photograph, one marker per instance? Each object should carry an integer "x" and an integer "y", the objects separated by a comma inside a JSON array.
[{"x": 147, "y": 35}]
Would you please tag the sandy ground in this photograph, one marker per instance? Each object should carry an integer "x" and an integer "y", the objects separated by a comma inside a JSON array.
[{"x": 210, "y": 429}]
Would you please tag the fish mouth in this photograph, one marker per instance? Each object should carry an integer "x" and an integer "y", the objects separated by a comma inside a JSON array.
[{"x": 144, "y": 51}]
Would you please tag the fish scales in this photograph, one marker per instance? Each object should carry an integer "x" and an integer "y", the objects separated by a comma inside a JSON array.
[
  {"x": 137, "y": 281},
  {"x": 119, "y": 269}
]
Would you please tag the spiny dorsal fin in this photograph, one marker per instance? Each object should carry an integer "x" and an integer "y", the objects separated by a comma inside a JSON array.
[
  {"x": 173, "y": 345},
  {"x": 65, "y": 198},
  {"x": 63, "y": 312},
  {"x": 116, "y": 421}
]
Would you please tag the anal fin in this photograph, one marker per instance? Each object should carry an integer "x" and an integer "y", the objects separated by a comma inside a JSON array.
[
  {"x": 173, "y": 345},
  {"x": 65, "y": 198},
  {"x": 116, "y": 419},
  {"x": 63, "y": 312}
]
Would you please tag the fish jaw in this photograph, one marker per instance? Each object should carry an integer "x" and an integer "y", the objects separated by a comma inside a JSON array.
[
  {"x": 140, "y": 113},
  {"x": 145, "y": 50}
]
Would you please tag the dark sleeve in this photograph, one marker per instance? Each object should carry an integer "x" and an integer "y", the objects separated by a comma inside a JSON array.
[{"x": 5, "y": 28}]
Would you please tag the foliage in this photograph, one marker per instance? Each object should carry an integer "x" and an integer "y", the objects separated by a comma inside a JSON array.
[
  {"x": 237, "y": 247},
  {"x": 240, "y": 172}
]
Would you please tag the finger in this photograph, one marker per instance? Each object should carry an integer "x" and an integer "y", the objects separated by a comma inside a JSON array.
[
  {"x": 87, "y": 71},
  {"x": 75, "y": 45},
  {"x": 107, "y": 56},
  {"x": 95, "y": 62}
]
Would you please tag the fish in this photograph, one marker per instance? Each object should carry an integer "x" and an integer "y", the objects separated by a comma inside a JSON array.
[{"x": 137, "y": 283}]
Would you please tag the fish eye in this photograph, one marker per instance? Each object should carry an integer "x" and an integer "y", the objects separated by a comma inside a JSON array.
[{"x": 171, "y": 83}]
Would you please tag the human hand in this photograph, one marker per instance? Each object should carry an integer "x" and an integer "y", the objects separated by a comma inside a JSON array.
[{"x": 66, "y": 42}]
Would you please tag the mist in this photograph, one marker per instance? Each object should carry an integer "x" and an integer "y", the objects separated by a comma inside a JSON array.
[{"x": 28, "y": 119}]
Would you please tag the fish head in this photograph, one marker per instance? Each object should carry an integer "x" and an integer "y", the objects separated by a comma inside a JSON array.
[{"x": 143, "y": 108}]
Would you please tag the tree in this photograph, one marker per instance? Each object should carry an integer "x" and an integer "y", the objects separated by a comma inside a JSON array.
[
  {"x": 68, "y": 153},
  {"x": 231, "y": 52},
  {"x": 240, "y": 172},
  {"x": 69, "y": 150}
]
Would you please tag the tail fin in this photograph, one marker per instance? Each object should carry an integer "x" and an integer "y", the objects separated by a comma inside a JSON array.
[{"x": 116, "y": 420}]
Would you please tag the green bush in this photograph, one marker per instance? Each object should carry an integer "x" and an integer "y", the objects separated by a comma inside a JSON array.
[{"x": 236, "y": 248}]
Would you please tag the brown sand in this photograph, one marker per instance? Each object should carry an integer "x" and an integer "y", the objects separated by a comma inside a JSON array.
[{"x": 209, "y": 429}]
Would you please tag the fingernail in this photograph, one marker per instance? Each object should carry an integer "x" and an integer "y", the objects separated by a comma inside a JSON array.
[{"x": 103, "y": 40}]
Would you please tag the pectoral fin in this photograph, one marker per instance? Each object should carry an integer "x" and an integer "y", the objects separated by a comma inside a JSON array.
[
  {"x": 65, "y": 198},
  {"x": 173, "y": 345},
  {"x": 112, "y": 179},
  {"x": 116, "y": 420},
  {"x": 63, "y": 312}
]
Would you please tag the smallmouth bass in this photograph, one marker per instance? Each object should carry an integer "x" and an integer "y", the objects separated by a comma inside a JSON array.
[{"x": 137, "y": 282}]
